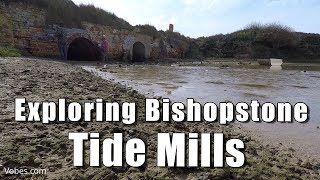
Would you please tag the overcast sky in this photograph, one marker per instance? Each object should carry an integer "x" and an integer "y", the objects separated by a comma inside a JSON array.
[{"x": 197, "y": 18}]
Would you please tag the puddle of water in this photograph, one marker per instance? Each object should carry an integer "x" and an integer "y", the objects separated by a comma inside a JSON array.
[
  {"x": 258, "y": 86},
  {"x": 250, "y": 95},
  {"x": 300, "y": 87},
  {"x": 215, "y": 82}
]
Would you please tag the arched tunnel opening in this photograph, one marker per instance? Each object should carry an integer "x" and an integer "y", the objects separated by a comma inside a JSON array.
[
  {"x": 82, "y": 49},
  {"x": 138, "y": 52}
]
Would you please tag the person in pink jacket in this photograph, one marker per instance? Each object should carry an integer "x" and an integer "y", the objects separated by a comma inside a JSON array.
[{"x": 104, "y": 46}]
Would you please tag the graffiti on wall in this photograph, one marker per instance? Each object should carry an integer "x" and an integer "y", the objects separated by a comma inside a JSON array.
[
  {"x": 44, "y": 36},
  {"x": 128, "y": 41}
]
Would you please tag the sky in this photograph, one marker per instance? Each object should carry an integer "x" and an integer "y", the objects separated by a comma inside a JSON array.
[{"x": 197, "y": 18}]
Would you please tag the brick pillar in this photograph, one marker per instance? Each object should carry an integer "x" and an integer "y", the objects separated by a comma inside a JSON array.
[{"x": 171, "y": 27}]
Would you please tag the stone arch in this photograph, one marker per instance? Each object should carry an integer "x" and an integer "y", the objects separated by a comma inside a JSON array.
[
  {"x": 138, "y": 52},
  {"x": 81, "y": 48}
]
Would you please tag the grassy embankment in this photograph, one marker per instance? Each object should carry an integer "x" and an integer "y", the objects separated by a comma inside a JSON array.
[
  {"x": 259, "y": 41},
  {"x": 9, "y": 51}
]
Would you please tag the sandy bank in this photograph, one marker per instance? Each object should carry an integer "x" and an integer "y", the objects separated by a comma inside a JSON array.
[{"x": 47, "y": 146}]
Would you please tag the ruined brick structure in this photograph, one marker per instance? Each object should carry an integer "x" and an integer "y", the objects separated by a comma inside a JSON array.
[{"x": 24, "y": 26}]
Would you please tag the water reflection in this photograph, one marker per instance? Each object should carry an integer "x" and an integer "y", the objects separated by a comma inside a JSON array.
[{"x": 276, "y": 68}]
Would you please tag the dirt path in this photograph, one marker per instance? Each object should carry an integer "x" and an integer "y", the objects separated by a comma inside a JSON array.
[{"x": 35, "y": 145}]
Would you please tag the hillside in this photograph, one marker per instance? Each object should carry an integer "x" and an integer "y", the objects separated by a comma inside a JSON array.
[{"x": 259, "y": 41}]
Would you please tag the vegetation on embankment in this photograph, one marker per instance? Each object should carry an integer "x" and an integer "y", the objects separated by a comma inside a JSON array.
[
  {"x": 258, "y": 41},
  {"x": 9, "y": 51},
  {"x": 152, "y": 31}
]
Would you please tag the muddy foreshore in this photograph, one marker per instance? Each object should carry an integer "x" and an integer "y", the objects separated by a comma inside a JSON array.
[{"x": 34, "y": 145}]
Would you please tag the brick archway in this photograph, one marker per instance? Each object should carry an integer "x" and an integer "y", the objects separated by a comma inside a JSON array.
[
  {"x": 74, "y": 36},
  {"x": 79, "y": 47},
  {"x": 138, "y": 52}
]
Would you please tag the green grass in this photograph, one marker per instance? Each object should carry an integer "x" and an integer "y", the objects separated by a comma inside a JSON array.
[{"x": 9, "y": 51}]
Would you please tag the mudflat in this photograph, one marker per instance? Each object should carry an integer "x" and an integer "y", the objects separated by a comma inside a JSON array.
[{"x": 35, "y": 145}]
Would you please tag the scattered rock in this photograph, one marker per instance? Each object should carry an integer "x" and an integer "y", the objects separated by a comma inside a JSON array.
[
  {"x": 117, "y": 129},
  {"x": 38, "y": 161},
  {"x": 307, "y": 165}
]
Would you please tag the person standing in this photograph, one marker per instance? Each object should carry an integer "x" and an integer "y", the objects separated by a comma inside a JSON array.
[{"x": 104, "y": 46}]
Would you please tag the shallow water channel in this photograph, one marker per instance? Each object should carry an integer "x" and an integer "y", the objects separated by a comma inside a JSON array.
[{"x": 292, "y": 83}]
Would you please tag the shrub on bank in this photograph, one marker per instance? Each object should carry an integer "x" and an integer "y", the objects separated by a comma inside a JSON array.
[
  {"x": 194, "y": 51},
  {"x": 9, "y": 51},
  {"x": 148, "y": 30}
]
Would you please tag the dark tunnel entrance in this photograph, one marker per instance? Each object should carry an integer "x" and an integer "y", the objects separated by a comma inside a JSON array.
[
  {"x": 138, "y": 52},
  {"x": 82, "y": 49}
]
